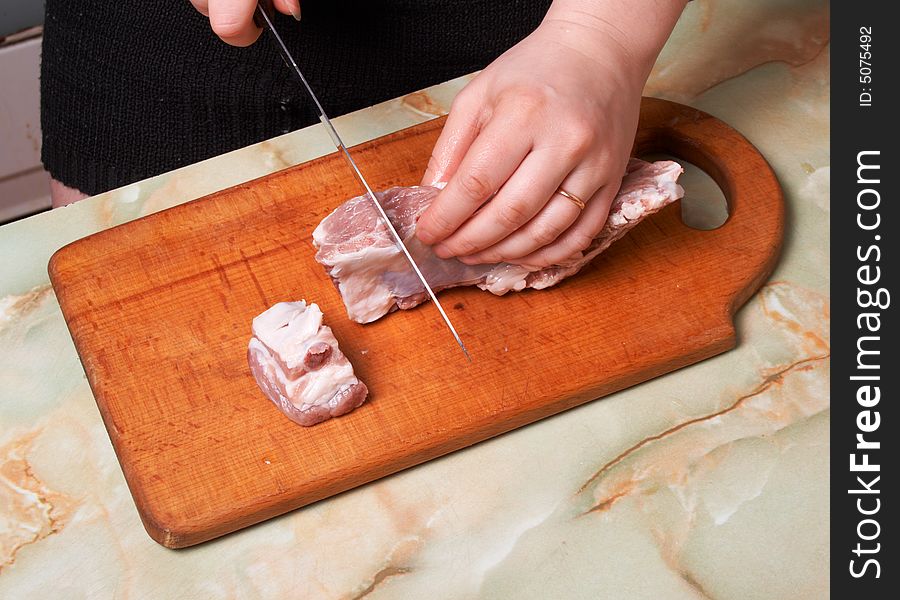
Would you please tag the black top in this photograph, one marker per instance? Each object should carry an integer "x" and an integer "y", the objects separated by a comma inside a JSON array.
[{"x": 131, "y": 89}]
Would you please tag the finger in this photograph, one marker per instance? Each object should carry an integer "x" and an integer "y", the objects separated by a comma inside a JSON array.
[
  {"x": 232, "y": 20},
  {"x": 519, "y": 199},
  {"x": 202, "y": 7},
  {"x": 459, "y": 132},
  {"x": 577, "y": 237},
  {"x": 288, "y": 7},
  {"x": 554, "y": 219},
  {"x": 489, "y": 161},
  {"x": 531, "y": 188}
]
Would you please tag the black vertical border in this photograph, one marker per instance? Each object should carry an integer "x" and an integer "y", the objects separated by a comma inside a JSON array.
[{"x": 856, "y": 128}]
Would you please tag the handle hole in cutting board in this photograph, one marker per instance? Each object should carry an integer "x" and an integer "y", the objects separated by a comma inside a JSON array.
[{"x": 704, "y": 205}]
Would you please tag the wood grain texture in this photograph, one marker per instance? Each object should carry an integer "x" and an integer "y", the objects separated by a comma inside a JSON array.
[{"x": 160, "y": 310}]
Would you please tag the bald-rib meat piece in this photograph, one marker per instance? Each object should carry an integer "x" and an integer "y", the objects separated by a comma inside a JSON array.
[
  {"x": 297, "y": 364},
  {"x": 374, "y": 278}
]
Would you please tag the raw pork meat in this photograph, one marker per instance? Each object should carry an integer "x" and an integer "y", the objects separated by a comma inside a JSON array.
[
  {"x": 298, "y": 365},
  {"x": 374, "y": 278}
]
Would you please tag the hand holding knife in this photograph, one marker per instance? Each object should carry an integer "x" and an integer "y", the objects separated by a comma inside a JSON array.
[{"x": 262, "y": 18}]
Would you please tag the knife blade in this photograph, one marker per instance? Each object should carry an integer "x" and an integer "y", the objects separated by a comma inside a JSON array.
[{"x": 262, "y": 18}]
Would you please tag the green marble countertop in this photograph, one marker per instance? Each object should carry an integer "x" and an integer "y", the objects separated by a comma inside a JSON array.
[{"x": 710, "y": 482}]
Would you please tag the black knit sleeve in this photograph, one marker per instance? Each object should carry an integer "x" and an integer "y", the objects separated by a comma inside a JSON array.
[{"x": 131, "y": 89}]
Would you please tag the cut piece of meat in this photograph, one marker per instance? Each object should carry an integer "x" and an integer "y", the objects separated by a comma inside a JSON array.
[
  {"x": 374, "y": 278},
  {"x": 296, "y": 362}
]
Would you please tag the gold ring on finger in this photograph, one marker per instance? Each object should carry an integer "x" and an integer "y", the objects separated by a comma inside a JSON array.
[{"x": 571, "y": 197}]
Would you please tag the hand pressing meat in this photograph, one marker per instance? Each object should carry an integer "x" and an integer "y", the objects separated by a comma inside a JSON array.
[
  {"x": 374, "y": 278},
  {"x": 534, "y": 147},
  {"x": 298, "y": 365}
]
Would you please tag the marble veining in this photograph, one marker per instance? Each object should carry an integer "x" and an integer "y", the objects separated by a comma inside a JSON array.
[{"x": 32, "y": 511}]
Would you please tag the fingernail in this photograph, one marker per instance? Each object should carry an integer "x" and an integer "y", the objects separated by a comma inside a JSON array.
[{"x": 296, "y": 11}]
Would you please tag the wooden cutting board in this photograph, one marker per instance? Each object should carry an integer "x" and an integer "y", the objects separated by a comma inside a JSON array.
[{"x": 160, "y": 310}]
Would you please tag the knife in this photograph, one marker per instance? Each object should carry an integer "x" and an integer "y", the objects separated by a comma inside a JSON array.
[{"x": 262, "y": 19}]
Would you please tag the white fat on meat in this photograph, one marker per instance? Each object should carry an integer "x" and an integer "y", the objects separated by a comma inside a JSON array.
[
  {"x": 298, "y": 365},
  {"x": 374, "y": 278}
]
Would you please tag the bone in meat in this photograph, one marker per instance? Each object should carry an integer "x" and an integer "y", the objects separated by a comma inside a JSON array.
[
  {"x": 296, "y": 362},
  {"x": 374, "y": 278}
]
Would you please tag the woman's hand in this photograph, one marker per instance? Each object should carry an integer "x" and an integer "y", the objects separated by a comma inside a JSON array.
[
  {"x": 232, "y": 20},
  {"x": 557, "y": 111}
]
